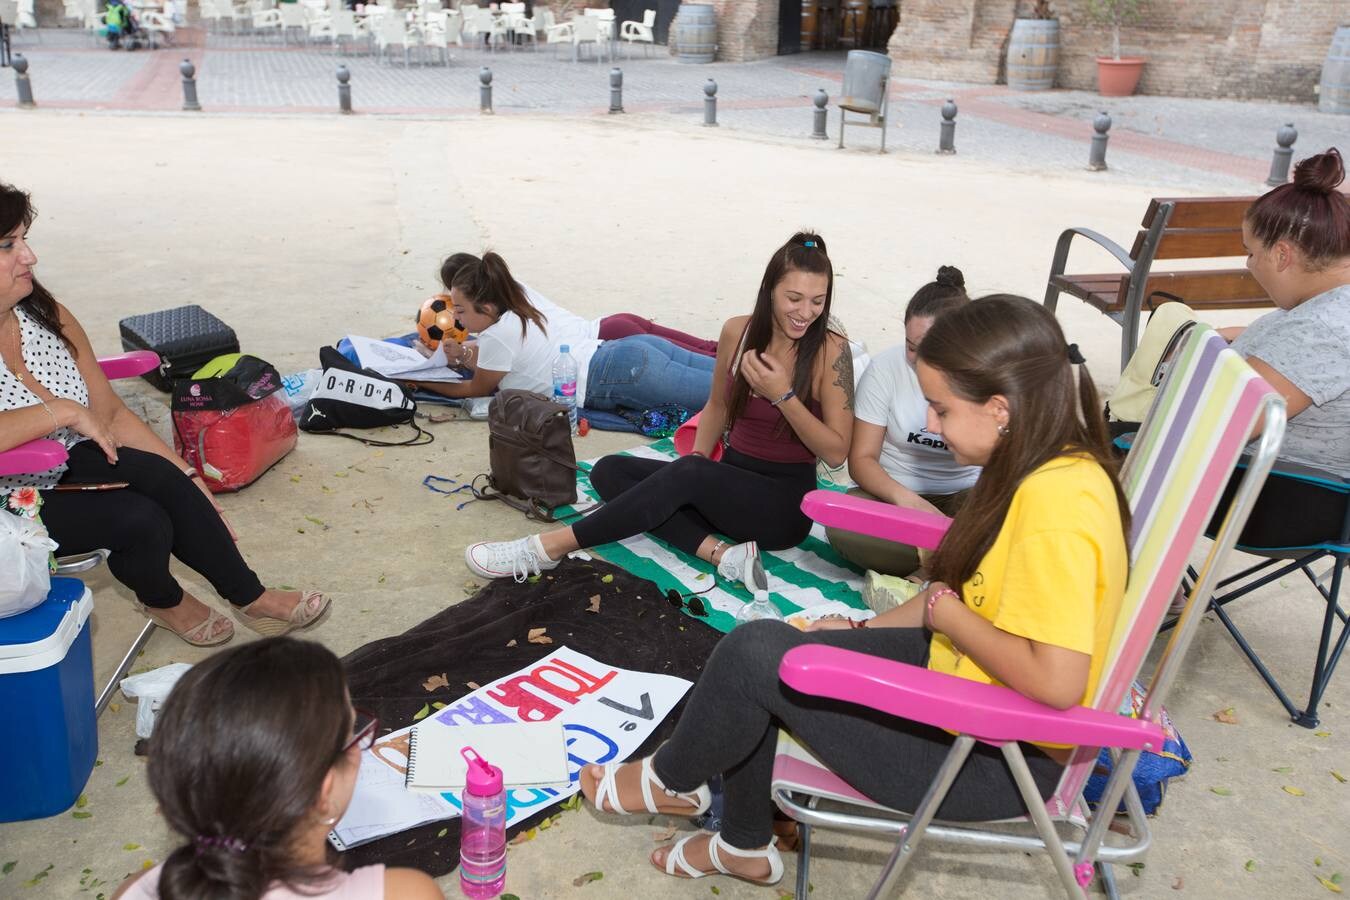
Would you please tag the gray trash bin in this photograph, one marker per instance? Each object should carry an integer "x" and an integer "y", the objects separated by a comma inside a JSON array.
[{"x": 867, "y": 76}]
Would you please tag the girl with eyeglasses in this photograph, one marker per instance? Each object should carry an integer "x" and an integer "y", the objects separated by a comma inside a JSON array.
[{"x": 253, "y": 760}]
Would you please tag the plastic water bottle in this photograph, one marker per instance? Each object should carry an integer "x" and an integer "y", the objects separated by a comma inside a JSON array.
[
  {"x": 761, "y": 608},
  {"x": 482, "y": 836},
  {"x": 565, "y": 383}
]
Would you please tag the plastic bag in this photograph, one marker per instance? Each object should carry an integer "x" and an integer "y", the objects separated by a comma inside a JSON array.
[
  {"x": 298, "y": 388},
  {"x": 149, "y": 690},
  {"x": 24, "y": 549}
]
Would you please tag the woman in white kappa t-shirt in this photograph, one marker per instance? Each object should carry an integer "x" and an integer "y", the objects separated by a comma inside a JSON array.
[{"x": 893, "y": 457}]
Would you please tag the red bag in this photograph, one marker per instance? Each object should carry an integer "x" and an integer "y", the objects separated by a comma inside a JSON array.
[
  {"x": 685, "y": 434},
  {"x": 230, "y": 423}
]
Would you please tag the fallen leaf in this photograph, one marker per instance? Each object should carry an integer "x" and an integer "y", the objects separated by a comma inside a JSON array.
[
  {"x": 572, "y": 802},
  {"x": 1338, "y": 776},
  {"x": 533, "y": 579},
  {"x": 1178, "y": 884},
  {"x": 443, "y": 832},
  {"x": 546, "y": 824},
  {"x": 473, "y": 685},
  {"x": 662, "y": 836},
  {"x": 295, "y": 479},
  {"x": 97, "y": 763},
  {"x": 1226, "y": 716},
  {"x": 595, "y": 604},
  {"x": 701, "y": 576},
  {"x": 81, "y": 801},
  {"x": 1321, "y": 734},
  {"x": 509, "y": 897},
  {"x": 470, "y": 586},
  {"x": 315, "y": 521},
  {"x": 524, "y": 836},
  {"x": 438, "y": 705},
  {"x": 1137, "y": 869},
  {"x": 436, "y": 681},
  {"x": 82, "y": 815},
  {"x": 715, "y": 889},
  {"x": 537, "y": 636},
  {"x": 122, "y": 781},
  {"x": 115, "y": 707},
  {"x": 1335, "y": 877},
  {"x": 1283, "y": 770},
  {"x": 380, "y": 580},
  {"x": 1330, "y": 885},
  {"x": 1222, "y": 791},
  {"x": 8, "y": 867},
  {"x": 147, "y": 864},
  {"x": 587, "y": 878},
  {"x": 131, "y": 846},
  {"x": 1317, "y": 860},
  {"x": 511, "y": 643},
  {"x": 1250, "y": 866},
  {"x": 422, "y": 713},
  {"x": 1297, "y": 792},
  {"x": 607, "y": 580}
]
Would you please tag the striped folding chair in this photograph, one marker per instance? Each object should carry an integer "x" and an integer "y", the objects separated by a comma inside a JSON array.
[{"x": 1181, "y": 461}]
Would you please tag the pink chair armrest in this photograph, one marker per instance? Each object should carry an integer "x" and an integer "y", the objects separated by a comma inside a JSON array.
[
  {"x": 872, "y": 517},
  {"x": 988, "y": 712},
  {"x": 34, "y": 456},
  {"x": 129, "y": 365}
]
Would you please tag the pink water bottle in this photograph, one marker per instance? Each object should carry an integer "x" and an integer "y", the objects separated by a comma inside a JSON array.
[{"x": 482, "y": 836}]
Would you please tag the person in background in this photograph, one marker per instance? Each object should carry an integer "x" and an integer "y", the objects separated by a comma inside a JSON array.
[
  {"x": 253, "y": 760},
  {"x": 894, "y": 457}
]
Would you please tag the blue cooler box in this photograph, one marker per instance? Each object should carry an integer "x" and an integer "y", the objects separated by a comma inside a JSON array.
[{"x": 47, "y": 693}]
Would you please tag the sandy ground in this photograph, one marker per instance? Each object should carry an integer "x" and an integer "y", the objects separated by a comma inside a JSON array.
[{"x": 298, "y": 230}]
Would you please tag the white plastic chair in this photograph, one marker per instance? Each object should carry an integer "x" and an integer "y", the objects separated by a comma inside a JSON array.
[
  {"x": 157, "y": 27},
  {"x": 641, "y": 32},
  {"x": 27, "y": 17},
  {"x": 436, "y": 35},
  {"x": 292, "y": 17},
  {"x": 268, "y": 20},
  {"x": 390, "y": 30}
]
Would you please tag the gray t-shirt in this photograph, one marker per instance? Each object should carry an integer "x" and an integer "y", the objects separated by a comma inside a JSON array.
[{"x": 1310, "y": 345}]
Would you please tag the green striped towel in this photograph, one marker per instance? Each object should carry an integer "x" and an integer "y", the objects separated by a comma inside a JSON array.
[{"x": 806, "y": 575}]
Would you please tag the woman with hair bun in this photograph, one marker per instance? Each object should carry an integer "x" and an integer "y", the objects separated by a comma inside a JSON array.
[
  {"x": 1298, "y": 249},
  {"x": 782, "y": 395},
  {"x": 253, "y": 760},
  {"x": 894, "y": 457},
  {"x": 519, "y": 334}
]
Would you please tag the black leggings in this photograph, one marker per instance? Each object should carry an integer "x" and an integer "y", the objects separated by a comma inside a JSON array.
[
  {"x": 730, "y": 727},
  {"x": 160, "y": 513},
  {"x": 684, "y": 501}
]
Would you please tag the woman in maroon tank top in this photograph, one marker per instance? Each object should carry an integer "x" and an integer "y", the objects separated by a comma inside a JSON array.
[{"x": 782, "y": 397}]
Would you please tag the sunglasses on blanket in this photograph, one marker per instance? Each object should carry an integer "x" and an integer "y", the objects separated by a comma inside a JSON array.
[{"x": 692, "y": 602}]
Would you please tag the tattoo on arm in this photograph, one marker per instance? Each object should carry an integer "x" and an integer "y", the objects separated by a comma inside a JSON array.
[{"x": 843, "y": 377}]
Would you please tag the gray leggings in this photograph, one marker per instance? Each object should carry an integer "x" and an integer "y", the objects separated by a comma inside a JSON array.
[{"x": 730, "y": 727}]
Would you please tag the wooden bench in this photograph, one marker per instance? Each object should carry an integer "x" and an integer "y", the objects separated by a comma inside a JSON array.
[{"x": 1173, "y": 228}]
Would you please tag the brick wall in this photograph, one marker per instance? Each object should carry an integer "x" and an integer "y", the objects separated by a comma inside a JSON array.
[
  {"x": 746, "y": 29},
  {"x": 1247, "y": 49}
]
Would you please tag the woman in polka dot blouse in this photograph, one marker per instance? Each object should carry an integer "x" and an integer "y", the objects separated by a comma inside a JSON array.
[{"x": 51, "y": 386}]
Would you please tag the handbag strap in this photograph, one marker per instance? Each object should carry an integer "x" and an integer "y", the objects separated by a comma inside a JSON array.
[
  {"x": 415, "y": 441},
  {"x": 532, "y": 508}
]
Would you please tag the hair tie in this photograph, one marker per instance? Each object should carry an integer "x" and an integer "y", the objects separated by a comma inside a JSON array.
[
  {"x": 808, "y": 243},
  {"x": 234, "y": 845},
  {"x": 1075, "y": 358}
]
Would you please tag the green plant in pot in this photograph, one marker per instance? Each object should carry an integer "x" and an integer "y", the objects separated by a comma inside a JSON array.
[
  {"x": 1117, "y": 76},
  {"x": 1033, "y": 49}
]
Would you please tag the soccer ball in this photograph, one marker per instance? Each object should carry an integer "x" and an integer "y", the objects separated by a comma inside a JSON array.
[{"x": 436, "y": 321}]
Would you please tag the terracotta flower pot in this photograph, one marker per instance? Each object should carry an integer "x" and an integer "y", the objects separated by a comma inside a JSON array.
[{"x": 1118, "y": 77}]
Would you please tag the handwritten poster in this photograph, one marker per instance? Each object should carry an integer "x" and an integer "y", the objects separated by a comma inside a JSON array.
[{"x": 606, "y": 713}]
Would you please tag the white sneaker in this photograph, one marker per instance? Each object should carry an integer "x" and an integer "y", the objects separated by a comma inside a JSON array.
[
  {"x": 520, "y": 558},
  {"x": 740, "y": 562}
]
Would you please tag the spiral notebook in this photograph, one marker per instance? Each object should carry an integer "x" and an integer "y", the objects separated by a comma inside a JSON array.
[{"x": 530, "y": 754}]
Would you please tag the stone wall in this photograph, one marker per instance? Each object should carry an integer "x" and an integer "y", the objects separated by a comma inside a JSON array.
[
  {"x": 746, "y": 29},
  {"x": 1244, "y": 49}
]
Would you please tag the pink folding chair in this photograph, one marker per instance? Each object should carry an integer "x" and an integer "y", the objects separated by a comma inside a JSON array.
[
  {"x": 41, "y": 455},
  {"x": 1182, "y": 459}
]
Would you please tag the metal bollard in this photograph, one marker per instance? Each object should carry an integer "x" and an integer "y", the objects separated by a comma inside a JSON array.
[
  {"x": 947, "y": 130},
  {"x": 1097, "y": 155},
  {"x": 710, "y": 104},
  {"x": 21, "y": 81},
  {"x": 344, "y": 89},
  {"x": 821, "y": 99},
  {"x": 485, "y": 90},
  {"x": 615, "y": 90},
  {"x": 188, "y": 71},
  {"x": 1284, "y": 152}
]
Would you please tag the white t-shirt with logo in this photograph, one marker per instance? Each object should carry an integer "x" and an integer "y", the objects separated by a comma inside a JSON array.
[
  {"x": 889, "y": 395},
  {"x": 528, "y": 359}
]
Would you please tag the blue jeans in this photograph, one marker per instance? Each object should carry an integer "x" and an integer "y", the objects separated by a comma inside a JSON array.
[{"x": 644, "y": 372}]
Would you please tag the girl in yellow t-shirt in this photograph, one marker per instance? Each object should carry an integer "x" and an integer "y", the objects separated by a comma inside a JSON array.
[{"x": 1028, "y": 582}]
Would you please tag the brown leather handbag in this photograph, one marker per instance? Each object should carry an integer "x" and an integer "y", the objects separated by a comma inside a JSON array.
[{"x": 534, "y": 466}]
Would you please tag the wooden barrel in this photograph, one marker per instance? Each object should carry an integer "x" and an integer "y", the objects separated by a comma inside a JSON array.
[
  {"x": 695, "y": 30},
  {"x": 1033, "y": 54},
  {"x": 1334, "y": 92},
  {"x": 809, "y": 24}
]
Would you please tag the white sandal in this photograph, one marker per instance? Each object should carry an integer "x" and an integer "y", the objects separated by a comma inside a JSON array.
[
  {"x": 607, "y": 792},
  {"x": 716, "y": 846}
]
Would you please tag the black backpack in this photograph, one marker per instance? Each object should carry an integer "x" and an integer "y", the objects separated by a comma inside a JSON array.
[{"x": 348, "y": 396}]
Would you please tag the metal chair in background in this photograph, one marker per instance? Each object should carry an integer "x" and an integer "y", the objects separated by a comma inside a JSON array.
[{"x": 867, "y": 78}]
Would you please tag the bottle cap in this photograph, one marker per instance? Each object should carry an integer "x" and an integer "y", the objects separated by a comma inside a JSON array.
[
  {"x": 564, "y": 348},
  {"x": 483, "y": 779}
]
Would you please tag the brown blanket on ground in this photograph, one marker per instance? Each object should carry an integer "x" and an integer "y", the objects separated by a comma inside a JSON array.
[{"x": 636, "y": 628}]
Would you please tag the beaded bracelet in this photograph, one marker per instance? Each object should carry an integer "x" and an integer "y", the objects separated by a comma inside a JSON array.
[{"x": 932, "y": 601}]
